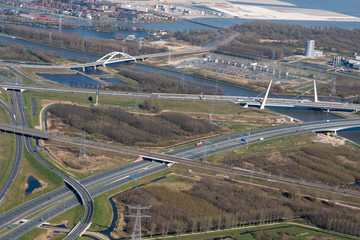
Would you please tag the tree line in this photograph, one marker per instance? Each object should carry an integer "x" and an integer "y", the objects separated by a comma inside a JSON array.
[
  {"x": 78, "y": 42},
  {"x": 211, "y": 205},
  {"x": 127, "y": 128},
  {"x": 195, "y": 36},
  {"x": 16, "y": 52},
  {"x": 314, "y": 162},
  {"x": 274, "y": 40},
  {"x": 150, "y": 81}
]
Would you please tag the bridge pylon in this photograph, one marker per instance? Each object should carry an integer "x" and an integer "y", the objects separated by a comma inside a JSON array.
[
  {"x": 315, "y": 93},
  {"x": 266, "y": 96}
]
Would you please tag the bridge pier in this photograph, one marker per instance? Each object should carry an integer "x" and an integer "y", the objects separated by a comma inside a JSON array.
[
  {"x": 315, "y": 93},
  {"x": 266, "y": 96}
]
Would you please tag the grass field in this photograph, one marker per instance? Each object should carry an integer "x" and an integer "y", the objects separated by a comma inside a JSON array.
[
  {"x": 265, "y": 146},
  {"x": 7, "y": 153},
  {"x": 30, "y": 166},
  {"x": 267, "y": 231}
]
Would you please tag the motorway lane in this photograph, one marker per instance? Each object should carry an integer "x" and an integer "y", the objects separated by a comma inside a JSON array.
[
  {"x": 17, "y": 159},
  {"x": 333, "y": 106},
  {"x": 57, "y": 195},
  {"x": 85, "y": 196},
  {"x": 214, "y": 146},
  {"x": 72, "y": 202}
]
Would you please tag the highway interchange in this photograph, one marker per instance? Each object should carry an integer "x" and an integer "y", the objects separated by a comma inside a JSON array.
[{"x": 52, "y": 204}]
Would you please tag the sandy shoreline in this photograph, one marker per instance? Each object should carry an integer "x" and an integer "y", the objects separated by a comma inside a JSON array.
[{"x": 247, "y": 9}]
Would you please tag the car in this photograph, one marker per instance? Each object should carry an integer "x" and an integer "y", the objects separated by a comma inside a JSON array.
[
  {"x": 261, "y": 139},
  {"x": 42, "y": 219}
]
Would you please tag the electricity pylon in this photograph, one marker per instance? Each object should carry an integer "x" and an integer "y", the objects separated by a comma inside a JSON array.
[{"x": 137, "y": 226}]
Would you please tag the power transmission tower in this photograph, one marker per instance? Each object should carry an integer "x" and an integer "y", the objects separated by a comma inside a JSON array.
[
  {"x": 83, "y": 147},
  {"x": 137, "y": 226},
  {"x": 333, "y": 87},
  {"x": 140, "y": 43},
  {"x": 137, "y": 102},
  {"x": 97, "y": 97},
  {"x": 169, "y": 57},
  {"x": 60, "y": 23}
]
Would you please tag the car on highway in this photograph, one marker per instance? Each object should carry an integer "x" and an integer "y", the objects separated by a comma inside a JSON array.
[{"x": 198, "y": 144}]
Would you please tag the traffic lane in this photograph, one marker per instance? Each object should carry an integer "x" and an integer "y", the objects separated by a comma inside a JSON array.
[
  {"x": 62, "y": 207},
  {"x": 315, "y": 126},
  {"x": 55, "y": 196}
]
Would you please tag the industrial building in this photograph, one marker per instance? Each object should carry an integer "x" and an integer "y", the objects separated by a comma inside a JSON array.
[{"x": 309, "y": 49}]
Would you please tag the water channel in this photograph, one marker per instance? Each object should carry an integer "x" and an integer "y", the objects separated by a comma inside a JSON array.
[{"x": 305, "y": 115}]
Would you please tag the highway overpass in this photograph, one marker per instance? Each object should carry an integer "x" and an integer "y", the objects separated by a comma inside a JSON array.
[{"x": 244, "y": 101}]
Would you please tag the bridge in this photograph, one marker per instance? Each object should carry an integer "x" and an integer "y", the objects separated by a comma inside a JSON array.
[
  {"x": 333, "y": 126},
  {"x": 296, "y": 103},
  {"x": 24, "y": 131},
  {"x": 113, "y": 58},
  {"x": 244, "y": 101}
]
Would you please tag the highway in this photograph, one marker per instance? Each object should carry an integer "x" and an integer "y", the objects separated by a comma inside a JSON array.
[
  {"x": 275, "y": 102},
  {"x": 56, "y": 202},
  {"x": 58, "y": 195},
  {"x": 222, "y": 144},
  {"x": 103, "y": 63},
  {"x": 228, "y": 143},
  {"x": 17, "y": 158},
  {"x": 79, "y": 189}
]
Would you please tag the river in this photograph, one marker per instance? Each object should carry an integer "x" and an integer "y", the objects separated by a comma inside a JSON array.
[{"x": 228, "y": 89}]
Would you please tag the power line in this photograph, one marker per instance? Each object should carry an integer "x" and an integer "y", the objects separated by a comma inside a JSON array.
[{"x": 137, "y": 226}]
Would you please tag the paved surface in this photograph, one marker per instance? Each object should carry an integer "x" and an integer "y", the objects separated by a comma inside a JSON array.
[
  {"x": 17, "y": 159},
  {"x": 291, "y": 103},
  {"x": 68, "y": 203}
]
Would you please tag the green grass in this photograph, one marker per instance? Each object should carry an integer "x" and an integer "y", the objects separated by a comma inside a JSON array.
[
  {"x": 73, "y": 216},
  {"x": 244, "y": 127},
  {"x": 32, "y": 120},
  {"x": 33, "y": 234},
  {"x": 197, "y": 106},
  {"x": 265, "y": 146},
  {"x": 102, "y": 221},
  {"x": 298, "y": 233},
  {"x": 127, "y": 80},
  {"x": 103, "y": 213},
  {"x": 7, "y": 154},
  {"x": 30, "y": 166}
]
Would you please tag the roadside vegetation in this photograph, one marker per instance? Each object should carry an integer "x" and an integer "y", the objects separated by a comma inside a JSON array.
[
  {"x": 301, "y": 157},
  {"x": 30, "y": 166},
  {"x": 17, "y": 52},
  {"x": 124, "y": 127},
  {"x": 210, "y": 204},
  {"x": 195, "y": 36},
  {"x": 149, "y": 81},
  {"x": 261, "y": 39},
  {"x": 7, "y": 153},
  {"x": 77, "y": 41}
]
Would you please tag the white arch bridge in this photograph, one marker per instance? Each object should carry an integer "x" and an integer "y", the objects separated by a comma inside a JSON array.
[
  {"x": 120, "y": 57},
  {"x": 116, "y": 57}
]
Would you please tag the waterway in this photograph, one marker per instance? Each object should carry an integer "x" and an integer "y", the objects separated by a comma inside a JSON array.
[
  {"x": 72, "y": 80},
  {"x": 85, "y": 57},
  {"x": 33, "y": 184}
]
